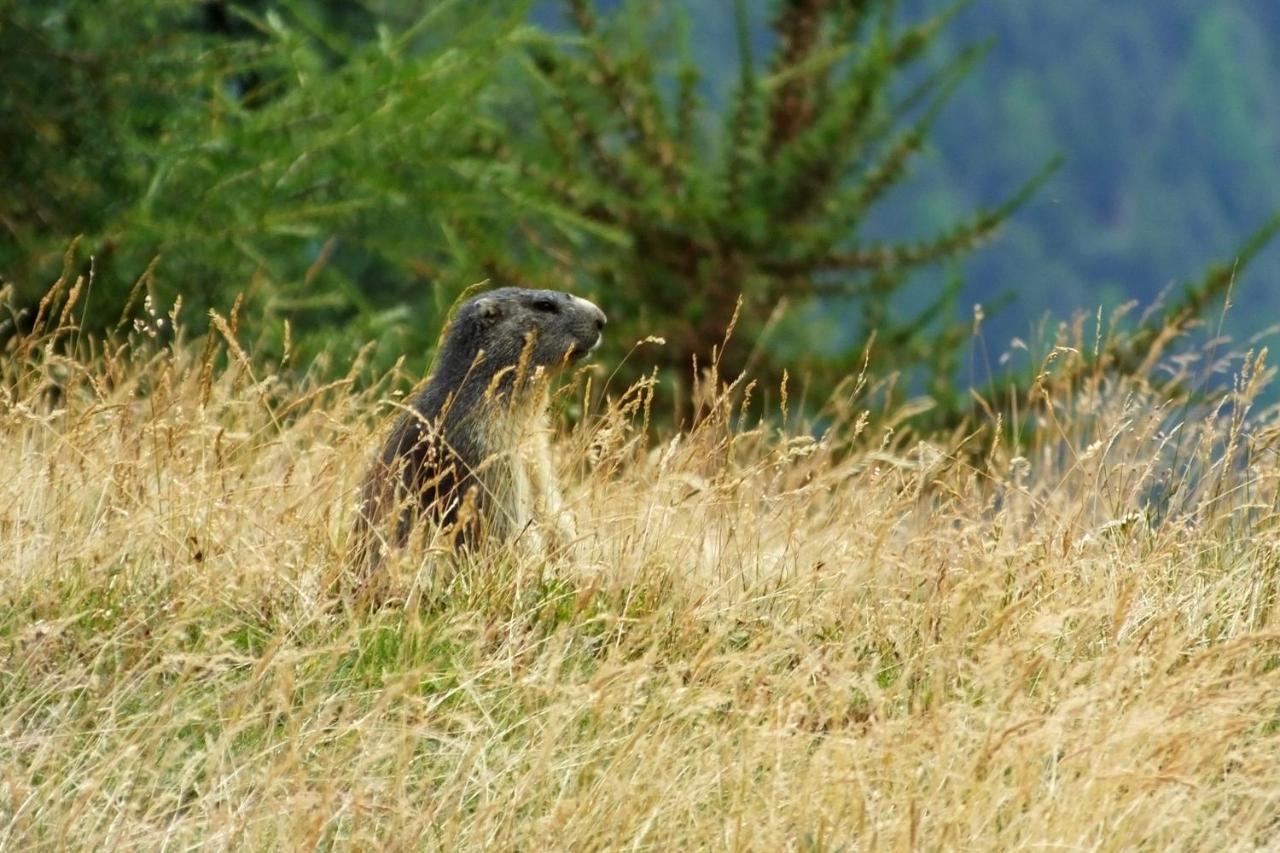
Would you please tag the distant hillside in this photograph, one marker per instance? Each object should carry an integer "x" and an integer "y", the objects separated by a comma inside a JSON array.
[{"x": 1168, "y": 112}]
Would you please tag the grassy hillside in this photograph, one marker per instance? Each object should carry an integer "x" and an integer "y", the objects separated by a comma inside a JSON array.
[{"x": 763, "y": 640}]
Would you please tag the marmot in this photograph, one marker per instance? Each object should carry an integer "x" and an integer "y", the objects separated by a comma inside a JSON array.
[{"x": 473, "y": 450}]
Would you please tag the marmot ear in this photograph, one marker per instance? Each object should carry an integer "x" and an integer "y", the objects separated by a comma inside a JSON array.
[{"x": 487, "y": 309}]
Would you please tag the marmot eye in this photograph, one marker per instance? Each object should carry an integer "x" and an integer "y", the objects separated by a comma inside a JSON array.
[{"x": 546, "y": 305}]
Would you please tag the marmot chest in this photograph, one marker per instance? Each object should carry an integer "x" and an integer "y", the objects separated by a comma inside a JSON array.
[{"x": 519, "y": 468}]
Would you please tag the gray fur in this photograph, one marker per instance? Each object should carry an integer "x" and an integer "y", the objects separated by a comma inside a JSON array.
[{"x": 454, "y": 446}]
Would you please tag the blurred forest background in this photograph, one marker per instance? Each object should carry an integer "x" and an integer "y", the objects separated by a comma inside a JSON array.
[
  {"x": 1168, "y": 114},
  {"x": 351, "y": 166}
]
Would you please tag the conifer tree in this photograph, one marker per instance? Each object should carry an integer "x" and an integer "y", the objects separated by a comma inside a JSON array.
[
  {"x": 674, "y": 206},
  {"x": 354, "y": 167}
]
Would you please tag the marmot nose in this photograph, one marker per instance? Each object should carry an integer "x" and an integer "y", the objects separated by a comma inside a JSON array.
[{"x": 593, "y": 311}]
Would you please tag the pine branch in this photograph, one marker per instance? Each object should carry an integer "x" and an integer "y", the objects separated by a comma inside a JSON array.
[
  {"x": 567, "y": 190},
  {"x": 812, "y": 165},
  {"x": 848, "y": 207},
  {"x": 912, "y": 43},
  {"x": 638, "y": 109},
  {"x": 799, "y": 26},
  {"x": 1134, "y": 354},
  {"x": 687, "y": 79},
  {"x": 743, "y": 154},
  {"x": 883, "y": 257},
  {"x": 808, "y": 168},
  {"x": 1131, "y": 353},
  {"x": 606, "y": 167}
]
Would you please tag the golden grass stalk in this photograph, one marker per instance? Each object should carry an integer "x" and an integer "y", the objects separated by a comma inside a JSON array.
[{"x": 839, "y": 636}]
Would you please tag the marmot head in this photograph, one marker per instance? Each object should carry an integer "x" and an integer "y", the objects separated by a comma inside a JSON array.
[{"x": 514, "y": 326}]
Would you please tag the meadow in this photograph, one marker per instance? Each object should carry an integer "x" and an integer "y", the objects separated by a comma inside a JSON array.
[{"x": 817, "y": 630}]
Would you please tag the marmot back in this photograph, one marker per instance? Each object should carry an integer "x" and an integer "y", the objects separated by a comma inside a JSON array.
[{"x": 473, "y": 451}]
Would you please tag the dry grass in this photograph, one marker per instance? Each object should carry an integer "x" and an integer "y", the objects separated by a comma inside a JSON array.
[{"x": 763, "y": 641}]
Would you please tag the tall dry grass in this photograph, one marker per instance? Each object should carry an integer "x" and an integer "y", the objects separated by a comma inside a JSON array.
[{"x": 763, "y": 640}]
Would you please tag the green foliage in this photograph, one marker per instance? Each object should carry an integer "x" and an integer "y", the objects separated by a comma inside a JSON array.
[
  {"x": 77, "y": 93},
  {"x": 307, "y": 154},
  {"x": 351, "y": 167},
  {"x": 695, "y": 203},
  {"x": 359, "y": 167}
]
